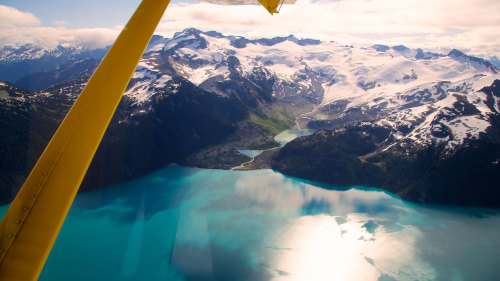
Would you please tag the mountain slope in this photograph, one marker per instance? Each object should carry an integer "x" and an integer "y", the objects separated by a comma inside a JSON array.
[
  {"x": 17, "y": 62},
  {"x": 198, "y": 97},
  {"x": 28, "y": 121},
  {"x": 70, "y": 70},
  {"x": 137, "y": 141},
  {"x": 374, "y": 154}
]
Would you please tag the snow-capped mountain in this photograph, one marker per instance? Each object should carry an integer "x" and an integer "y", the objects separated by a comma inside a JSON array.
[
  {"x": 326, "y": 70},
  {"x": 413, "y": 91},
  {"x": 494, "y": 60},
  {"x": 445, "y": 112},
  {"x": 22, "y": 62},
  {"x": 405, "y": 152},
  {"x": 434, "y": 112},
  {"x": 400, "y": 87},
  {"x": 196, "y": 89}
]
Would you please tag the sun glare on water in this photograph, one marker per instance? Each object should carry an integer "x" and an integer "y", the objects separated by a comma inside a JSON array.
[{"x": 324, "y": 247}]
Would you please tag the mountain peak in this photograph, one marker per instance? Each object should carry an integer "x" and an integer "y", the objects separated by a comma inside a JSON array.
[
  {"x": 461, "y": 56},
  {"x": 214, "y": 34},
  {"x": 400, "y": 48},
  {"x": 456, "y": 53},
  {"x": 187, "y": 32},
  {"x": 380, "y": 48}
]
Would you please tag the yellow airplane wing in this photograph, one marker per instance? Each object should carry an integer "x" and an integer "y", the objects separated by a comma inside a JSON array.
[
  {"x": 30, "y": 226},
  {"x": 273, "y": 6}
]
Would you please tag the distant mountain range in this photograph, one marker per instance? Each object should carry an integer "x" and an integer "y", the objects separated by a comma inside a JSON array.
[
  {"x": 35, "y": 67},
  {"x": 495, "y": 60},
  {"x": 200, "y": 89}
]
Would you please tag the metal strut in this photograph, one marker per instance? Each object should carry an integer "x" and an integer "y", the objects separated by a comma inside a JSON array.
[{"x": 272, "y": 5}]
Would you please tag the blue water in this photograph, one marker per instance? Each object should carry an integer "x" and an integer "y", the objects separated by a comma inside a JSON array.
[
  {"x": 282, "y": 138},
  {"x": 250, "y": 153},
  {"x": 190, "y": 224},
  {"x": 289, "y": 135}
]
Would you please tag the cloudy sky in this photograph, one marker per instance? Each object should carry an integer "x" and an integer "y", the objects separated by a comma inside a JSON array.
[{"x": 434, "y": 25}]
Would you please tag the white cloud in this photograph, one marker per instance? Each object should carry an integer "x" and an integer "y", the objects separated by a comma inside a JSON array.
[
  {"x": 19, "y": 27},
  {"x": 61, "y": 23},
  {"x": 12, "y": 16},
  {"x": 469, "y": 25},
  {"x": 54, "y": 36},
  {"x": 416, "y": 23}
]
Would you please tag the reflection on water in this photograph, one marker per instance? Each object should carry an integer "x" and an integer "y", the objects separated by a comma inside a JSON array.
[{"x": 189, "y": 224}]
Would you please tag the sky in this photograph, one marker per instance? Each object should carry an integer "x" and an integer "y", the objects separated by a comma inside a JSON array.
[{"x": 434, "y": 25}]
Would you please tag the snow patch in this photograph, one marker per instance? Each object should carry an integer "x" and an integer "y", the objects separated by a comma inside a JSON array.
[{"x": 173, "y": 42}]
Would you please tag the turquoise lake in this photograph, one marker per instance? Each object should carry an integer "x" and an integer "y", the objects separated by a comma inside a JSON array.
[
  {"x": 192, "y": 224},
  {"x": 282, "y": 139}
]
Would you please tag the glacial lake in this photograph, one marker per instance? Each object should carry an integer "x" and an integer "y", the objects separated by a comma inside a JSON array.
[
  {"x": 289, "y": 135},
  {"x": 183, "y": 223},
  {"x": 282, "y": 139}
]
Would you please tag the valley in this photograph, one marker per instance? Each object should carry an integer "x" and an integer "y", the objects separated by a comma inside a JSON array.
[{"x": 198, "y": 98}]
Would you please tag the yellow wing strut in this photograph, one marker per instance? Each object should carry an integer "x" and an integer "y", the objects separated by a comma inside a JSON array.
[
  {"x": 30, "y": 226},
  {"x": 273, "y": 6}
]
